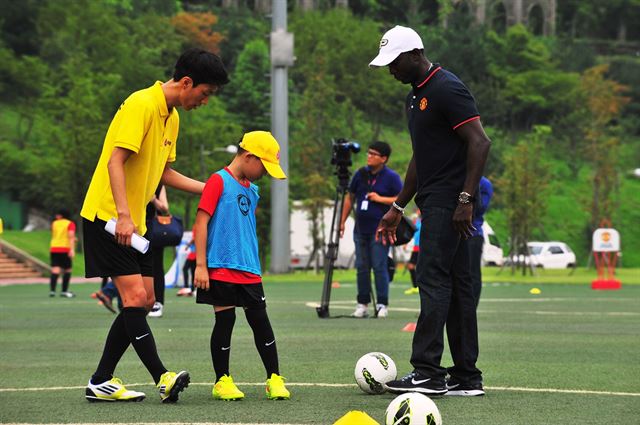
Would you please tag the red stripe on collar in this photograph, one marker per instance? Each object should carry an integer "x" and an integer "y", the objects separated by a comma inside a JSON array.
[{"x": 429, "y": 77}]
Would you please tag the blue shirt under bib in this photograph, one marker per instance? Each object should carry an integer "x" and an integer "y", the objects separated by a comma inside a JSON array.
[{"x": 232, "y": 241}]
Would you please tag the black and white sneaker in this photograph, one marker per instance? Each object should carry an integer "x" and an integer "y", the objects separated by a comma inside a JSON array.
[
  {"x": 455, "y": 388},
  {"x": 414, "y": 382}
]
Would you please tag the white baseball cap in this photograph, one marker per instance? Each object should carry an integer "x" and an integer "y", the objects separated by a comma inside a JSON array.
[{"x": 394, "y": 42}]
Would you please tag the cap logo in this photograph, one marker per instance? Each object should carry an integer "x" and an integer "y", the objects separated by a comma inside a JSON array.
[
  {"x": 278, "y": 155},
  {"x": 423, "y": 103},
  {"x": 384, "y": 42}
]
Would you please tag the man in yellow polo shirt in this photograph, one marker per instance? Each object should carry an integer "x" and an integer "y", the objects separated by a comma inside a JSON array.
[{"x": 138, "y": 149}]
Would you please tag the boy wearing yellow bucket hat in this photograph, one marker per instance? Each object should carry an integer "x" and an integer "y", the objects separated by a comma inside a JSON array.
[{"x": 228, "y": 272}]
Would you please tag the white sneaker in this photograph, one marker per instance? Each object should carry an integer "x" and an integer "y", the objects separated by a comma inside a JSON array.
[
  {"x": 111, "y": 390},
  {"x": 361, "y": 311},
  {"x": 184, "y": 292},
  {"x": 382, "y": 311},
  {"x": 67, "y": 294},
  {"x": 156, "y": 311}
]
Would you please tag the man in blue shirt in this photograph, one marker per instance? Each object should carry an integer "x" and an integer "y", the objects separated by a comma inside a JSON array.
[
  {"x": 373, "y": 188},
  {"x": 476, "y": 241}
]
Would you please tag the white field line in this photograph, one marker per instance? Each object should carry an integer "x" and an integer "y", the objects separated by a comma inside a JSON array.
[
  {"x": 326, "y": 385},
  {"x": 481, "y": 310},
  {"x": 532, "y": 299}
]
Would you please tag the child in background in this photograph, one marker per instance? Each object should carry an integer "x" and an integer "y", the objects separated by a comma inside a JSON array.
[
  {"x": 62, "y": 251},
  {"x": 189, "y": 268},
  {"x": 228, "y": 272},
  {"x": 413, "y": 260}
]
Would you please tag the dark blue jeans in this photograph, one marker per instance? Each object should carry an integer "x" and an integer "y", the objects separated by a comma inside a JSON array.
[
  {"x": 111, "y": 291},
  {"x": 371, "y": 255},
  {"x": 475, "y": 257},
  {"x": 446, "y": 298}
]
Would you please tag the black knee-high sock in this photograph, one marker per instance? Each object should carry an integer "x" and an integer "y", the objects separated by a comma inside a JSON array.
[
  {"x": 116, "y": 344},
  {"x": 412, "y": 272},
  {"x": 140, "y": 336},
  {"x": 53, "y": 282},
  {"x": 66, "y": 278},
  {"x": 221, "y": 341},
  {"x": 264, "y": 339}
]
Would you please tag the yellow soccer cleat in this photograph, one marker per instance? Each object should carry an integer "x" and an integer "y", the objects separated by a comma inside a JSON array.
[
  {"x": 275, "y": 388},
  {"x": 171, "y": 384},
  {"x": 411, "y": 291},
  {"x": 225, "y": 389},
  {"x": 111, "y": 390}
]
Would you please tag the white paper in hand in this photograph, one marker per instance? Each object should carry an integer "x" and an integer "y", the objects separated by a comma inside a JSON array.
[{"x": 138, "y": 242}]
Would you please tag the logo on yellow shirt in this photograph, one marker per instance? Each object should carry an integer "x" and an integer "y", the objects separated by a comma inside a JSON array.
[{"x": 167, "y": 142}]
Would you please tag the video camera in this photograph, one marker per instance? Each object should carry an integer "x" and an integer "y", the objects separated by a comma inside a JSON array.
[{"x": 342, "y": 149}]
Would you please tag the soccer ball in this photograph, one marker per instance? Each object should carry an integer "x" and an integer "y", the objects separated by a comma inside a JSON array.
[
  {"x": 373, "y": 370},
  {"x": 412, "y": 409}
]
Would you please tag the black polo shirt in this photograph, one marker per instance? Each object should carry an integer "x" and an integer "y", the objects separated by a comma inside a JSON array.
[{"x": 435, "y": 109}]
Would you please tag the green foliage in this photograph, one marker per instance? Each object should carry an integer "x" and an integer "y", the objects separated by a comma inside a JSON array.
[
  {"x": 346, "y": 64},
  {"x": 66, "y": 66},
  {"x": 247, "y": 95},
  {"x": 524, "y": 185}
]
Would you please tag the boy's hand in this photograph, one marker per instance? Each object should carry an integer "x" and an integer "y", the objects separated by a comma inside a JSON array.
[{"x": 201, "y": 278}]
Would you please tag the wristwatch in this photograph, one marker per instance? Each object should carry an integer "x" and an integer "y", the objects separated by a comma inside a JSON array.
[
  {"x": 465, "y": 198},
  {"x": 398, "y": 207}
]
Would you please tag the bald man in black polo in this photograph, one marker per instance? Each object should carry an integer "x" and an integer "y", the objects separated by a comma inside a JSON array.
[{"x": 450, "y": 149}]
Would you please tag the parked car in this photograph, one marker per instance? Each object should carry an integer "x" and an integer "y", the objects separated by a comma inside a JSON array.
[
  {"x": 547, "y": 255},
  {"x": 551, "y": 255},
  {"x": 492, "y": 254}
]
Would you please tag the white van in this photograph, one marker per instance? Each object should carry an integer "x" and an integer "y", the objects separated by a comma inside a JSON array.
[
  {"x": 491, "y": 251},
  {"x": 302, "y": 242}
]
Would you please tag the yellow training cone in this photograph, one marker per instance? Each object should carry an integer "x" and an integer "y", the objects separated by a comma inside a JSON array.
[
  {"x": 535, "y": 291},
  {"x": 356, "y": 417}
]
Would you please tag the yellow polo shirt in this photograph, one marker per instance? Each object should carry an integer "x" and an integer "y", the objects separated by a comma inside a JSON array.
[
  {"x": 144, "y": 126},
  {"x": 60, "y": 241}
]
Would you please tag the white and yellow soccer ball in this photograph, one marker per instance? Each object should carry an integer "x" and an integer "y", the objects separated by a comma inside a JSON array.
[
  {"x": 412, "y": 409},
  {"x": 373, "y": 370}
]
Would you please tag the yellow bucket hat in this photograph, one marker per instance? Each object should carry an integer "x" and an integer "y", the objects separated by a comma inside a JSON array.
[{"x": 263, "y": 145}]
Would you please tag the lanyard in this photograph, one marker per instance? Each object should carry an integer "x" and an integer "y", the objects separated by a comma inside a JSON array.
[{"x": 370, "y": 182}]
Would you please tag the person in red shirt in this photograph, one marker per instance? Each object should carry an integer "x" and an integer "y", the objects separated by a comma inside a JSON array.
[{"x": 228, "y": 271}]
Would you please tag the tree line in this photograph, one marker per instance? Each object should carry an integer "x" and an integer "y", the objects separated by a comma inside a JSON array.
[{"x": 547, "y": 100}]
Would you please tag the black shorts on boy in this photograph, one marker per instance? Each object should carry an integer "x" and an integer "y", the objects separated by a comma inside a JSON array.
[
  {"x": 232, "y": 294},
  {"x": 60, "y": 259}
]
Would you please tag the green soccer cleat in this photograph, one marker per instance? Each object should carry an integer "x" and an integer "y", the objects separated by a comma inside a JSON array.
[
  {"x": 171, "y": 384},
  {"x": 111, "y": 390},
  {"x": 225, "y": 389},
  {"x": 275, "y": 388}
]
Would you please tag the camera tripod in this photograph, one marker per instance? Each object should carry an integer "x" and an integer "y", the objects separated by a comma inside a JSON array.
[{"x": 333, "y": 246}]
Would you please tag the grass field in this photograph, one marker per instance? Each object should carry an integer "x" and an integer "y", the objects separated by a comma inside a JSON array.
[{"x": 566, "y": 356}]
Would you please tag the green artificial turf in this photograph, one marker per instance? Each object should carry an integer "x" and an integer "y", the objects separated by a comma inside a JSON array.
[{"x": 566, "y": 356}]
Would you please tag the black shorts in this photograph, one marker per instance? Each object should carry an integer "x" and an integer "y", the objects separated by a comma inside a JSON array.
[
  {"x": 60, "y": 259},
  {"x": 104, "y": 257},
  {"x": 226, "y": 294}
]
